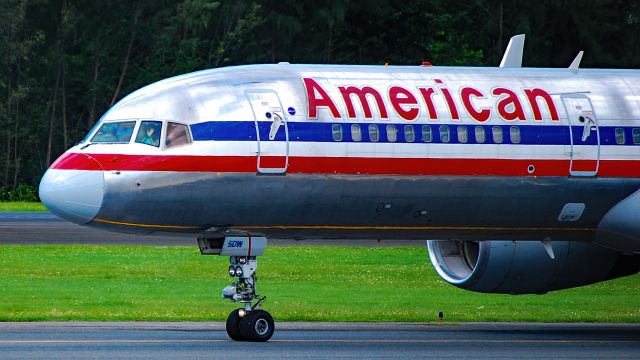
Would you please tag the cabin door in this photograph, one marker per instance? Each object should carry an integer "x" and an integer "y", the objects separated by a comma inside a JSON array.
[
  {"x": 584, "y": 135},
  {"x": 272, "y": 133}
]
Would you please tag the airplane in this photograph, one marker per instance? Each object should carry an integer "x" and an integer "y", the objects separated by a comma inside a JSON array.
[{"x": 522, "y": 180}]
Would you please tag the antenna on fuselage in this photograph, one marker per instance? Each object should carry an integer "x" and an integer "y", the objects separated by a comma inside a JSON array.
[
  {"x": 575, "y": 64},
  {"x": 512, "y": 57}
]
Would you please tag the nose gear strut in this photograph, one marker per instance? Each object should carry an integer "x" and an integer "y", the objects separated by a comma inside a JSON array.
[{"x": 249, "y": 323}]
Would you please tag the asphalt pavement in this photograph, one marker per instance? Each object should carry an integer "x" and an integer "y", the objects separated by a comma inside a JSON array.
[
  {"x": 82, "y": 340},
  {"x": 33, "y": 228}
]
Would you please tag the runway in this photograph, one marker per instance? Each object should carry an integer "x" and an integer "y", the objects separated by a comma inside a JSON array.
[
  {"x": 320, "y": 341},
  {"x": 81, "y": 340},
  {"x": 33, "y": 228}
]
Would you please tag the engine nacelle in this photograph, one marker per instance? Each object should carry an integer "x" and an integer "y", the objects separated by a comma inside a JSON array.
[{"x": 525, "y": 267}]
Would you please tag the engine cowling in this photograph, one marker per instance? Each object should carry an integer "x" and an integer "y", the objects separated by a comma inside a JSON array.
[{"x": 525, "y": 267}]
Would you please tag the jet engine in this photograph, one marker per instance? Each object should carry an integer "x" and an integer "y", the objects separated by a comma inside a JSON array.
[{"x": 527, "y": 267}]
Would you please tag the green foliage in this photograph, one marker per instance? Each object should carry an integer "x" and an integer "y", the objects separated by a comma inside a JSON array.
[
  {"x": 23, "y": 192},
  {"x": 301, "y": 283},
  {"x": 62, "y": 62}
]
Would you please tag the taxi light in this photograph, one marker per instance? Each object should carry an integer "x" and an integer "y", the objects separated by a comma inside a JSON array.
[
  {"x": 242, "y": 260},
  {"x": 232, "y": 271},
  {"x": 238, "y": 271}
]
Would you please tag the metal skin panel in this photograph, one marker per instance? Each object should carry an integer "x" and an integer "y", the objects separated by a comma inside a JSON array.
[
  {"x": 357, "y": 207},
  {"x": 218, "y": 94},
  {"x": 314, "y": 199}
]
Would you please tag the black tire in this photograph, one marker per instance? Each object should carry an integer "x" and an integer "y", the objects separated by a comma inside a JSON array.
[
  {"x": 257, "y": 326},
  {"x": 233, "y": 326}
]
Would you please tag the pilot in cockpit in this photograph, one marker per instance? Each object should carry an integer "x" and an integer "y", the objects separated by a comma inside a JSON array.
[{"x": 149, "y": 133}]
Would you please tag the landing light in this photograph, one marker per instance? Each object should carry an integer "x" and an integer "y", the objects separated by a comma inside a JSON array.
[
  {"x": 238, "y": 271},
  {"x": 232, "y": 271}
]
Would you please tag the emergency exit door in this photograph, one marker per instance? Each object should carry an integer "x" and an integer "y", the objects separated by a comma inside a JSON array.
[
  {"x": 584, "y": 134},
  {"x": 272, "y": 133}
]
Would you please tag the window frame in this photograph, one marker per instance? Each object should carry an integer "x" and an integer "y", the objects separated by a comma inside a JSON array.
[
  {"x": 165, "y": 133},
  {"x": 442, "y": 129},
  {"x": 356, "y": 126},
  {"x": 512, "y": 137},
  {"x": 462, "y": 130},
  {"x": 412, "y": 132},
  {"x": 430, "y": 132},
  {"x": 395, "y": 130},
  {"x": 161, "y": 138},
  {"x": 493, "y": 134},
  {"x": 335, "y": 126},
  {"x": 97, "y": 130},
  {"x": 377, "y": 132},
  {"x": 622, "y": 139},
  {"x": 635, "y": 136},
  {"x": 479, "y": 129}
]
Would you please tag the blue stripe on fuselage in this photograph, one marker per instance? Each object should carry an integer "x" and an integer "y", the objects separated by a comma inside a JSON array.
[{"x": 323, "y": 132}]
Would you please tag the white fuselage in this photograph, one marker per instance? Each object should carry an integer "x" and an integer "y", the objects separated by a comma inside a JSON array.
[{"x": 313, "y": 151}]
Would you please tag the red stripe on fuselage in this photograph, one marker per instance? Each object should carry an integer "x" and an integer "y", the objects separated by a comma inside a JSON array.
[
  {"x": 75, "y": 161},
  {"x": 343, "y": 165}
]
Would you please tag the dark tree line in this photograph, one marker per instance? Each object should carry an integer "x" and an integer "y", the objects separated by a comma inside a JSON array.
[{"x": 63, "y": 63}]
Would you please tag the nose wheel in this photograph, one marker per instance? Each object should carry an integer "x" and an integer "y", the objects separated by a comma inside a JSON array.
[{"x": 256, "y": 325}]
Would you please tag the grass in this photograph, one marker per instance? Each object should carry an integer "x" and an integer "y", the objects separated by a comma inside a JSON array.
[
  {"x": 302, "y": 284},
  {"x": 21, "y": 206}
]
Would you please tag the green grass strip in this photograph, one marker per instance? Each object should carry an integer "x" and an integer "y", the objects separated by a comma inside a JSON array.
[
  {"x": 21, "y": 206},
  {"x": 122, "y": 283}
]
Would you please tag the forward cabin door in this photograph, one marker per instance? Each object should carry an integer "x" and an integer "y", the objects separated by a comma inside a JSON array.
[
  {"x": 272, "y": 133},
  {"x": 584, "y": 134}
]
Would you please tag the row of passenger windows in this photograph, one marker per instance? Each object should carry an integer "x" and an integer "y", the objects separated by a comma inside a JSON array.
[
  {"x": 621, "y": 137},
  {"x": 149, "y": 133},
  {"x": 427, "y": 134},
  {"x": 444, "y": 134}
]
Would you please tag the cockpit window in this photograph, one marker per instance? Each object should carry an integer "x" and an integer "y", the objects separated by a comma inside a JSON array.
[
  {"x": 149, "y": 133},
  {"x": 177, "y": 134},
  {"x": 114, "y": 132}
]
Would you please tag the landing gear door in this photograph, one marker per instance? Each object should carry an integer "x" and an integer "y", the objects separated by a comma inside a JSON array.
[
  {"x": 272, "y": 133},
  {"x": 584, "y": 135}
]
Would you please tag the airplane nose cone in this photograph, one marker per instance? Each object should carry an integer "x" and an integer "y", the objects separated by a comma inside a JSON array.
[{"x": 75, "y": 195}]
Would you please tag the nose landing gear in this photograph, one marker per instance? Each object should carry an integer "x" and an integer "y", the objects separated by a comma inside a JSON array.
[{"x": 249, "y": 323}]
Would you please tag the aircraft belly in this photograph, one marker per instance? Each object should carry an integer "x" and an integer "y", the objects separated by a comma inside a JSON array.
[{"x": 357, "y": 206}]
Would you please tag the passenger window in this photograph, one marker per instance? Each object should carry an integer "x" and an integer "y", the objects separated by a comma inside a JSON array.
[
  {"x": 392, "y": 133},
  {"x": 514, "y": 133},
  {"x": 462, "y": 134},
  {"x": 480, "y": 135},
  {"x": 336, "y": 130},
  {"x": 620, "y": 136},
  {"x": 409, "y": 135},
  {"x": 356, "y": 135},
  {"x": 149, "y": 133},
  {"x": 114, "y": 132},
  {"x": 497, "y": 134},
  {"x": 374, "y": 134},
  {"x": 426, "y": 133},
  {"x": 444, "y": 134},
  {"x": 177, "y": 134},
  {"x": 636, "y": 135}
]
